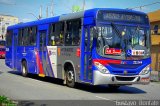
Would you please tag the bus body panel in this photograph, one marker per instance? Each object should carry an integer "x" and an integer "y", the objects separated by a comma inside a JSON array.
[
  {"x": 28, "y": 54},
  {"x": 65, "y": 55},
  {"x": 52, "y": 59},
  {"x": 8, "y": 59}
]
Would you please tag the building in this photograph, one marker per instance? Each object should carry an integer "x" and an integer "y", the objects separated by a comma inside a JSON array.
[
  {"x": 154, "y": 18},
  {"x": 5, "y": 21}
]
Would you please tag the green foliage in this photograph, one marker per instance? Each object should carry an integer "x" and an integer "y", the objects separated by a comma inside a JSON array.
[
  {"x": 4, "y": 101},
  {"x": 76, "y": 9}
]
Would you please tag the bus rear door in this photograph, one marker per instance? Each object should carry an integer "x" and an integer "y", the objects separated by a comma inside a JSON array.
[{"x": 42, "y": 47}]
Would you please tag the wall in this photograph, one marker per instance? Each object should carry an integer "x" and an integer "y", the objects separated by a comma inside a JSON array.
[
  {"x": 6, "y": 21},
  {"x": 155, "y": 53},
  {"x": 152, "y": 27}
]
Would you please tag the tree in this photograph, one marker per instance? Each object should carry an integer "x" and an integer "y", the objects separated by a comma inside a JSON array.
[{"x": 76, "y": 9}]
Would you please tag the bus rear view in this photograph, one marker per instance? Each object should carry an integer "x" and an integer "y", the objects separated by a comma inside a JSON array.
[{"x": 121, "y": 55}]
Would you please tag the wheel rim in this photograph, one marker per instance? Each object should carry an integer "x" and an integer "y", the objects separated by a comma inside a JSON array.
[
  {"x": 23, "y": 70},
  {"x": 70, "y": 76}
]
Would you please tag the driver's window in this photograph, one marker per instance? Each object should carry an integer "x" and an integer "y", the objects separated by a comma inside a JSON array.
[
  {"x": 87, "y": 43},
  {"x": 88, "y": 39}
]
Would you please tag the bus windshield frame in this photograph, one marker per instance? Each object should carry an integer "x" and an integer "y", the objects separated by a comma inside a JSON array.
[{"x": 124, "y": 32}]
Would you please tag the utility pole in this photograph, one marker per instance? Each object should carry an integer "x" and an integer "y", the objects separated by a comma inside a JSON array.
[
  {"x": 40, "y": 12},
  {"x": 52, "y": 14},
  {"x": 84, "y": 3},
  {"x": 47, "y": 12},
  {"x": 144, "y": 5}
]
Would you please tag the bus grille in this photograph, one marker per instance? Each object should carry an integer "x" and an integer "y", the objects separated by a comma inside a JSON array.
[
  {"x": 125, "y": 66},
  {"x": 125, "y": 78},
  {"x": 122, "y": 72}
]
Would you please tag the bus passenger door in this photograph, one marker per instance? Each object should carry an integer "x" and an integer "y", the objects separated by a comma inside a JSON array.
[
  {"x": 87, "y": 56},
  {"x": 15, "y": 42},
  {"x": 43, "y": 53},
  {"x": 42, "y": 49}
]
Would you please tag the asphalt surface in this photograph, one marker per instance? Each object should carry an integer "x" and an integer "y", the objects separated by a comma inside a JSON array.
[{"x": 34, "y": 88}]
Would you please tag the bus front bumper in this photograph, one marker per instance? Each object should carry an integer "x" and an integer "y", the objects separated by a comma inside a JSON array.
[{"x": 101, "y": 79}]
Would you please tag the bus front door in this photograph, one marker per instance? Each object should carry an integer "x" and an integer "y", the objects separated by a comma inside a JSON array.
[{"x": 87, "y": 56}]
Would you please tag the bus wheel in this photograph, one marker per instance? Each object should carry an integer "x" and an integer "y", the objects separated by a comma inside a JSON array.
[
  {"x": 113, "y": 87},
  {"x": 70, "y": 78},
  {"x": 24, "y": 69}
]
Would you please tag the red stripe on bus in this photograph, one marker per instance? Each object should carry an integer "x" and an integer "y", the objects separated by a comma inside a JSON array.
[
  {"x": 106, "y": 62},
  {"x": 39, "y": 63}
]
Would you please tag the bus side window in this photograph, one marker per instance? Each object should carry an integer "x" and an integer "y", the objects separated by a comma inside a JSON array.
[
  {"x": 56, "y": 34},
  {"x": 9, "y": 38},
  {"x": 72, "y": 35},
  {"x": 20, "y": 37},
  {"x": 59, "y": 33},
  {"x": 76, "y": 32},
  {"x": 52, "y": 35},
  {"x": 26, "y": 37},
  {"x": 32, "y": 36},
  {"x": 68, "y": 34}
]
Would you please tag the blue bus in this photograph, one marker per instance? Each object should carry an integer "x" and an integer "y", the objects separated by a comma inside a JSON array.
[{"x": 100, "y": 46}]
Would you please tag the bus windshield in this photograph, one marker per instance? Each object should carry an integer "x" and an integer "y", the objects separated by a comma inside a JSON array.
[{"x": 123, "y": 41}]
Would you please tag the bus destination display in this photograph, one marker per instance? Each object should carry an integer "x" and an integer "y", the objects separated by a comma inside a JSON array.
[{"x": 115, "y": 16}]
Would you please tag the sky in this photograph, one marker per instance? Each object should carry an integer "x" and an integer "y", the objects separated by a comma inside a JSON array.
[{"x": 28, "y": 10}]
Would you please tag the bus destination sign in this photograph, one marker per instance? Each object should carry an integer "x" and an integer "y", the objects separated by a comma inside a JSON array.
[{"x": 115, "y": 16}]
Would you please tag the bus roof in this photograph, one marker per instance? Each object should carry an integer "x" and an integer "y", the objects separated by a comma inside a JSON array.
[{"x": 86, "y": 13}]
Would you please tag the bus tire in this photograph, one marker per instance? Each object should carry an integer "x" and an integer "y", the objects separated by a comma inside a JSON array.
[
  {"x": 70, "y": 78},
  {"x": 113, "y": 87},
  {"x": 24, "y": 69}
]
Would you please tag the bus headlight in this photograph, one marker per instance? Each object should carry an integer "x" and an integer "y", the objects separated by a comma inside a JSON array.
[
  {"x": 145, "y": 70},
  {"x": 101, "y": 68}
]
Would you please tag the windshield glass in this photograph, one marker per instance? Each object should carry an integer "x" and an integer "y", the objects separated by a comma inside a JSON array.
[{"x": 123, "y": 41}]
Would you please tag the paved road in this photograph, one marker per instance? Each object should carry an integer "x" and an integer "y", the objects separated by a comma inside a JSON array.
[{"x": 16, "y": 87}]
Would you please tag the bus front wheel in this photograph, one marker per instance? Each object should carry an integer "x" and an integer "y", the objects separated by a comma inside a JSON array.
[
  {"x": 70, "y": 77},
  {"x": 24, "y": 69}
]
